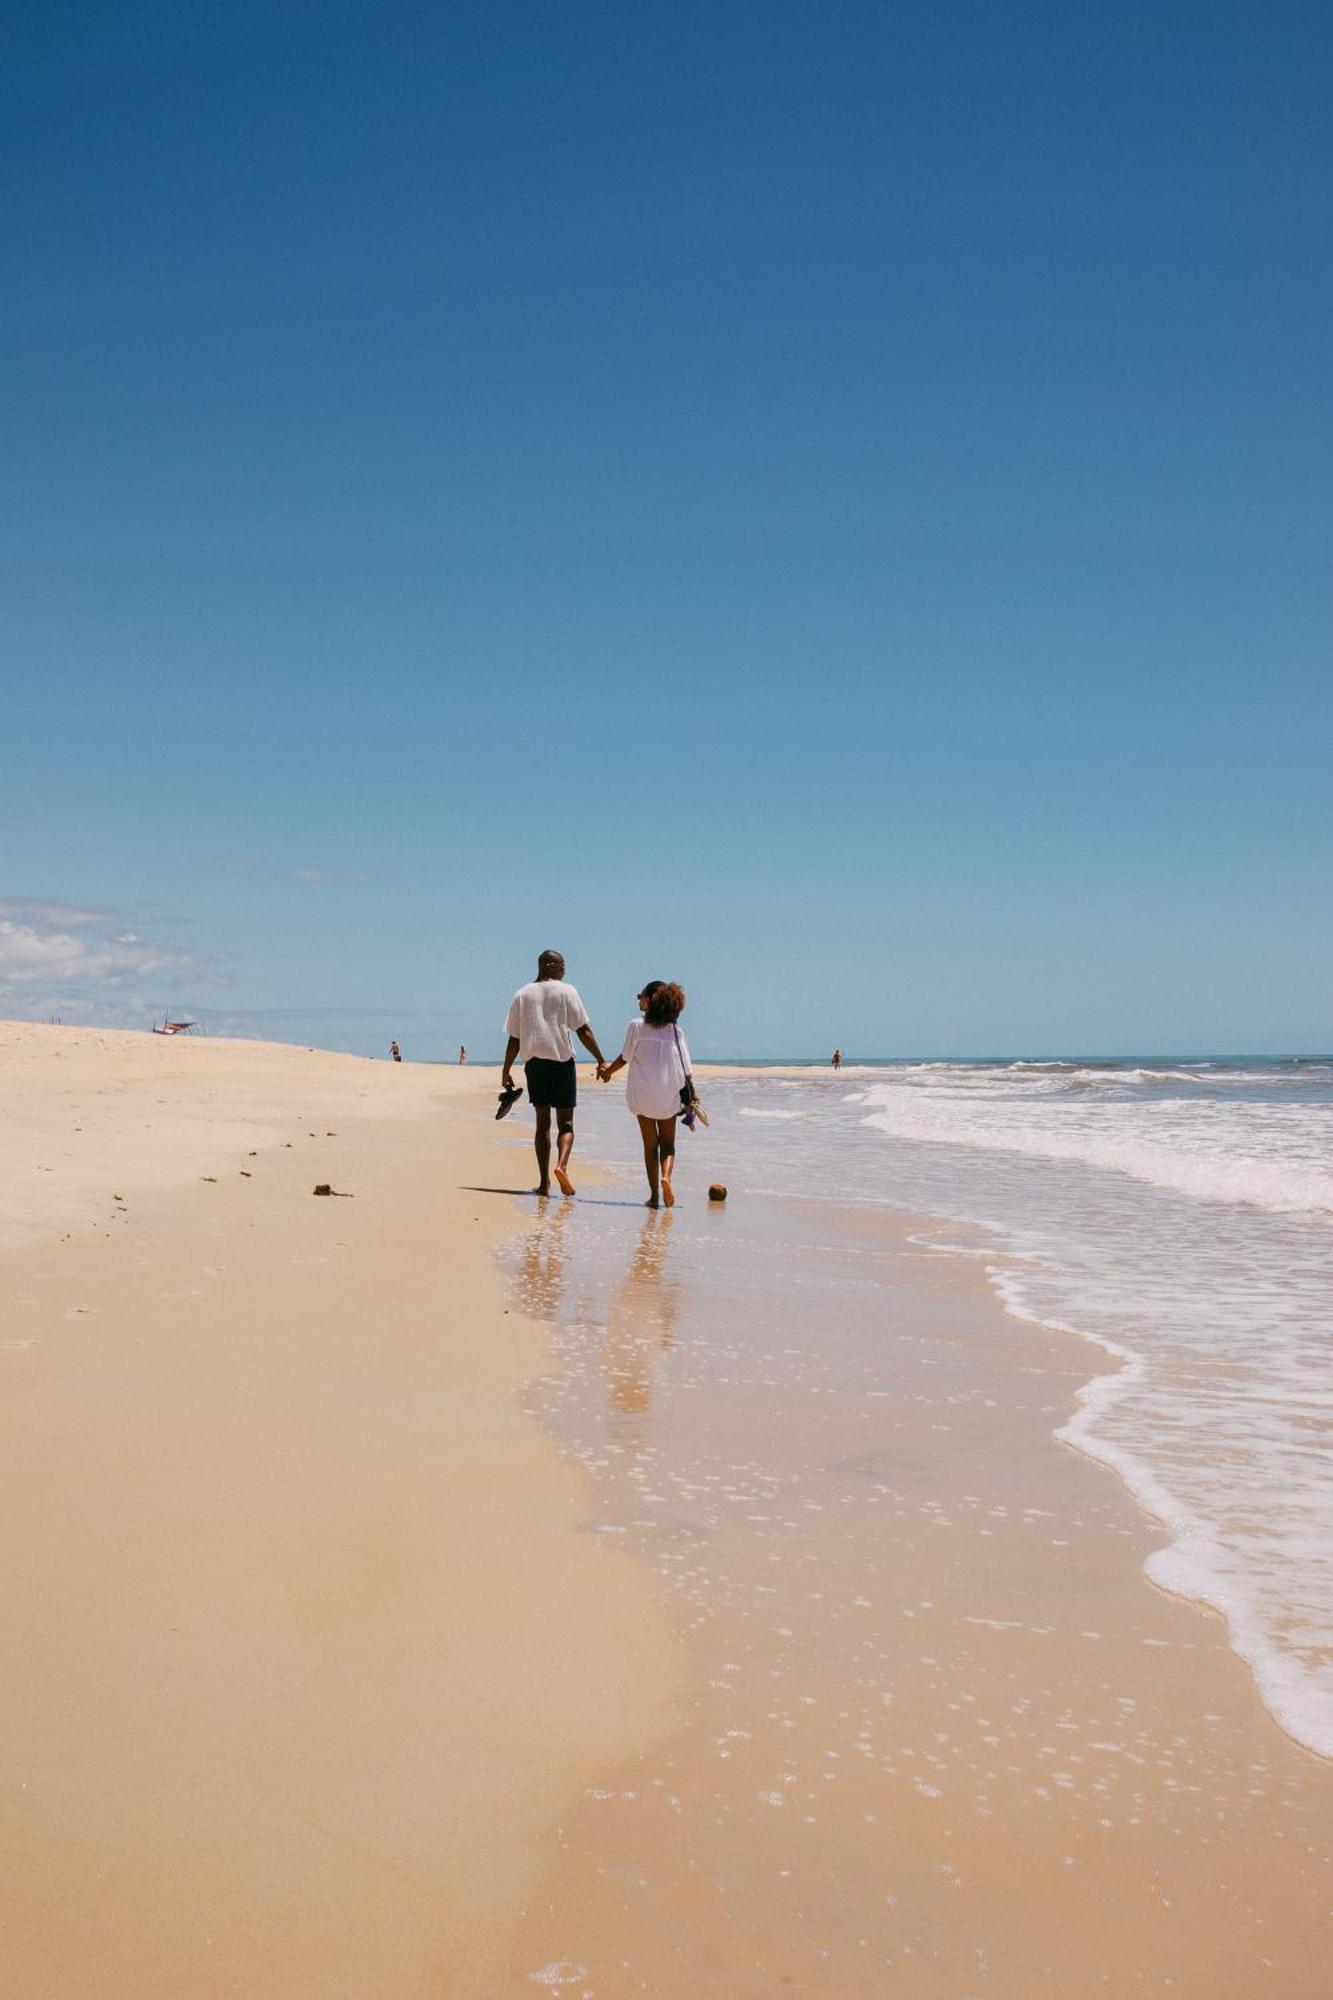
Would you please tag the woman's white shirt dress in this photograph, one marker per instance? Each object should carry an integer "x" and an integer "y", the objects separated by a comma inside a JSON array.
[{"x": 656, "y": 1069}]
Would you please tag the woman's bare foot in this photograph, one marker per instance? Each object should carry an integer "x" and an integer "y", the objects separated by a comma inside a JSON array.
[
  {"x": 563, "y": 1181},
  {"x": 668, "y": 1194}
]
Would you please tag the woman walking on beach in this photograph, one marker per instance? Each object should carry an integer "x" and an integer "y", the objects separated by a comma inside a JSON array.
[{"x": 658, "y": 1060}]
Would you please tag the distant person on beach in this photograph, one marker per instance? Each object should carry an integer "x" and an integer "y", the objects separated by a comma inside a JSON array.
[
  {"x": 542, "y": 1016},
  {"x": 837, "y": 1058},
  {"x": 657, "y": 1057},
  {"x": 395, "y": 1053},
  {"x": 462, "y": 1055}
]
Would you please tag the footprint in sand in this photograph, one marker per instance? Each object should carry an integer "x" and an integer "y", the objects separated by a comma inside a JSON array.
[
  {"x": 16, "y": 1346},
  {"x": 77, "y": 1312}
]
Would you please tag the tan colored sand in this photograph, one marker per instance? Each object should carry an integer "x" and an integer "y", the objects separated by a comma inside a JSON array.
[
  {"x": 301, "y": 1657},
  {"x": 88, "y": 1112}
]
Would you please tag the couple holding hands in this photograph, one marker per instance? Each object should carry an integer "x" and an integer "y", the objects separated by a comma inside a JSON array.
[{"x": 658, "y": 1089}]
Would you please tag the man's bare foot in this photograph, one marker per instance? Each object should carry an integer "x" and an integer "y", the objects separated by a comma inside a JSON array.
[
  {"x": 668, "y": 1194},
  {"x": 565, "y": 1184},
  {"x": 652, "y": 1202},
  {"x": 544, "y": 1192}
]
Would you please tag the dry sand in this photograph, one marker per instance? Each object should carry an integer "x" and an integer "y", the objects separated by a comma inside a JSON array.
[{"x": 301, "y": 1657}]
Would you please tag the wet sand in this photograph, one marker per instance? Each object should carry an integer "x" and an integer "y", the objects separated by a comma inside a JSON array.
[{"x": 945, "y": 1738}]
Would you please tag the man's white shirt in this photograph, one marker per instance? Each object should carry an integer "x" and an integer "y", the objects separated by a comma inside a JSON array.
[{"x": 544, "y": 1016}]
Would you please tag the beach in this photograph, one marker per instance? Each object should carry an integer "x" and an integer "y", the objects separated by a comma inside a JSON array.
[
  {"x": 433, "y": 1592},
  {"x": 303, "y": 1658}
]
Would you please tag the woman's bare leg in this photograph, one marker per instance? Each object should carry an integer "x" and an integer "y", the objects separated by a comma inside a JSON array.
[
  {"x": 648, "y": 1127},
  {"x": 666, "y": 1153}
]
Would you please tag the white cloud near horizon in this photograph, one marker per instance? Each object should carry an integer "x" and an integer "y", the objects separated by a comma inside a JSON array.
[
  {"x": 69, "y": 958},
  {"x": 39, "y": 910},
  {"x": 89, "y": 966},
  {"x": 296, "y": 871}
]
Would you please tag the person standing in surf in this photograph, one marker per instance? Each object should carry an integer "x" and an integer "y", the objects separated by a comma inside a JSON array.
[
  {"x": 541, "y": 1018},
  {"x": 657, "y": 1058}
]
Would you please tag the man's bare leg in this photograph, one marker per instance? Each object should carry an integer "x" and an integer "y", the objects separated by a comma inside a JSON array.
[
  {"x": 542, "y": 1144},
  {"x": 564, "y": 1147},
  {"x": 648, "y": 1127}
]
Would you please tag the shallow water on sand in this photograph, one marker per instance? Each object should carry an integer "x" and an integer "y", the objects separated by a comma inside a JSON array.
[
  {"x": 1179, "y": 1215},
  {"x": 930, "y": 1701}
]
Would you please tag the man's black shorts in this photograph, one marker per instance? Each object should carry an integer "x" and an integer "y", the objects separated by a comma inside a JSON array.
[{"x": 551, "y": 1083}]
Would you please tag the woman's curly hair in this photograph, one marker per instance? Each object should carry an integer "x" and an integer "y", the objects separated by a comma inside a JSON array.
[{"x": 666, "y": 1005}]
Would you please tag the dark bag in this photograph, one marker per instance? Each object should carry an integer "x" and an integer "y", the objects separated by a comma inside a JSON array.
[
  {"x": 687, "y": 1092},
  {"x": 689, "y": 1096}
]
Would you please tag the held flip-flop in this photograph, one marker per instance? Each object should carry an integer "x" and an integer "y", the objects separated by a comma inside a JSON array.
[{"x": 508, "y": 1099}]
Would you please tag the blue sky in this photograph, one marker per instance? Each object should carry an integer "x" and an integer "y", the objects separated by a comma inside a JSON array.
[{"x": 829, "y": 503}]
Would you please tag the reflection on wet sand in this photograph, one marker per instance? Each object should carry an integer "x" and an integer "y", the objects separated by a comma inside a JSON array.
[
  {"x": 641, "y": 1308},
  {"x": 541, "y": 1267},
  {"x": 641, "y": 1315}
]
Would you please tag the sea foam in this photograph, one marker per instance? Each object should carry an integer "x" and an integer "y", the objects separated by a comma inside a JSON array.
[{"x": 1271, "y": 1155}]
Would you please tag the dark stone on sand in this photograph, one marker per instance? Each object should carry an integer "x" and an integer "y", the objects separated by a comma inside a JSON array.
[{"x": 717, "y": 1192}]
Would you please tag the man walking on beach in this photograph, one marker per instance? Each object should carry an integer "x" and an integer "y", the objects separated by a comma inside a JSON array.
[{"x": 541, "y": 1018}]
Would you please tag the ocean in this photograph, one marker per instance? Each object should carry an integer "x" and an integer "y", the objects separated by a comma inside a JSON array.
[{"x": 1179, "y": 1214}]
